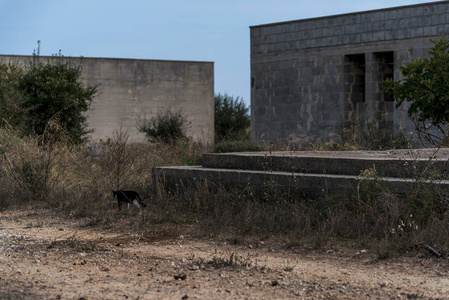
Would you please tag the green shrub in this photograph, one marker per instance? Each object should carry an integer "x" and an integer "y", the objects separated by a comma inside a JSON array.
[
  {"x": 53, "y": 92},
  {"x": 231, "y": 118},
  {"x": 41, "y": 93},
  {"x": 167, "y": 126},
  {"x": 11, "y": 99},
  {"x": 425, "y": 88}
]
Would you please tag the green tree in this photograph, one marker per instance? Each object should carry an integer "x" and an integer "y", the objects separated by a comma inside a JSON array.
[
  {"x": 231, "y": 118},
  {"x": 53, "y": 91},
  {"x": 425, "y": 87},
  {"x": 11, "y": 98}
]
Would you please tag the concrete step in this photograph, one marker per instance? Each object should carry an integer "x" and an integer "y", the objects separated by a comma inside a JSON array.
[
  {"x": 395, "y": 163},
  {"x": 309, "y": 185},
  {"x": 314, "y": 173}
]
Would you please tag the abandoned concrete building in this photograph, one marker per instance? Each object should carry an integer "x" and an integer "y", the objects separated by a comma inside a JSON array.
[
  {"x": 310, "y": 76},
  {"x": 135, "y": 88}
]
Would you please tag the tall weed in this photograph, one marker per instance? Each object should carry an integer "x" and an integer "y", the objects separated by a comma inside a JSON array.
[
  {"x": 30, "y": 163},
  {"x": 349, "y": 136},
  {"x": 370, "y": 215},
  {"x": 77, "y": 178}
]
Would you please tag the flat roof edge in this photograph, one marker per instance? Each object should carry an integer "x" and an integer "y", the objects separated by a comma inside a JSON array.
[
  {"x": 111, "y": 58},
  {"x": 347, "y": 14}
]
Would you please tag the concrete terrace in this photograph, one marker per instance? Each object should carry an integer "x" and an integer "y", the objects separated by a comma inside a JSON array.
[{"x": 314, "y": 173}]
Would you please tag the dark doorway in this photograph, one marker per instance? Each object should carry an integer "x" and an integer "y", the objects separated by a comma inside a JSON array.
[
  {"x": 383, "y": 68},
  {"x": 354, "y": 88}
]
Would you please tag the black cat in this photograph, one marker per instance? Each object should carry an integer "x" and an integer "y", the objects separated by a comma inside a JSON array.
[{"x": 128, "y": 197}]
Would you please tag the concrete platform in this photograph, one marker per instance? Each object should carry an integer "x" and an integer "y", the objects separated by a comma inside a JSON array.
[{"x": 313, "y": 173}]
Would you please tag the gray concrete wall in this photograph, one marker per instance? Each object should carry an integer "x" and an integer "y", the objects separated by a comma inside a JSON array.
[
  {"x": 311, "y": 76},
  {"x": 132, "y": 89}
]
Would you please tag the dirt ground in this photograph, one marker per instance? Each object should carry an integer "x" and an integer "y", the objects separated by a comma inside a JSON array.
[{"x": 46, "y": 256}]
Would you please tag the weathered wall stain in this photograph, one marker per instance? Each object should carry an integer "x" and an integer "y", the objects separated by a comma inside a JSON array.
[
  {"x": 309, "y": 76},
  {"x": 135, "y": 88}
]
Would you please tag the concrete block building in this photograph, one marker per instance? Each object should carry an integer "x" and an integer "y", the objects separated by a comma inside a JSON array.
[
  {"x": 311, "y": 76},
  {"x": 132, "y": 89}
]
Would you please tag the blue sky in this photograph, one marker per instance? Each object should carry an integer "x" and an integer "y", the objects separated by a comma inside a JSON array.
[{"x": 197, "y": 30}]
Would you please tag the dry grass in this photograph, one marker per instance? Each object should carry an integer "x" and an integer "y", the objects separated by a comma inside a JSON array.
[
  {"x": 76, "y": 176},
  {"x": 370, "y": 216},
  {"x": 78, "y": 180}
]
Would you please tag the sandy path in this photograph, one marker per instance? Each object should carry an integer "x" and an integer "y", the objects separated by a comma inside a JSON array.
[{"x": 43, "y": 256}]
